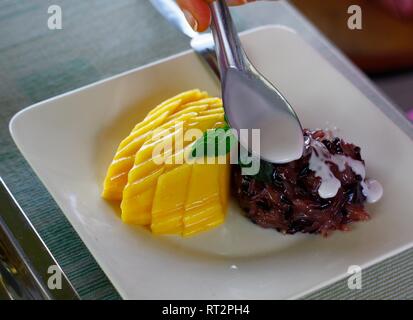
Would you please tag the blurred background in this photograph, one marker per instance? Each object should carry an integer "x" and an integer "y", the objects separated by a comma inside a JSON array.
[
  {"x": 104, "y": 37},
  {"x": 383, "y": 48}
]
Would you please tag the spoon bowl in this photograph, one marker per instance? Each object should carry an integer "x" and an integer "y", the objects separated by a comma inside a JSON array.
[{"x": 250, "y": 101}]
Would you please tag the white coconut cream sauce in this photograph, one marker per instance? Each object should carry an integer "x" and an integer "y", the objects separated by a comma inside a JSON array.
[{"x": 320, "y": 157}]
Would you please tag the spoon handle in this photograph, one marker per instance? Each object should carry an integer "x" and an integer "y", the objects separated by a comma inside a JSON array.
[{"x": 227, "y": 43}]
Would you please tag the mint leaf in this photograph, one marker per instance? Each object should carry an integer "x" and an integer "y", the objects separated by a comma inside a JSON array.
[
  {"x": 226, "y": 119},
  {"x": 265, "y": 173},
  {"x": 219, "y": 140}
]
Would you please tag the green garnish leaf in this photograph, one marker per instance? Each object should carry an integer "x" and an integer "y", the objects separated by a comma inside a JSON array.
[
  {"x": 226, "y": 119},
  {"x": 265, "y": 173},
  {"x": 214, "y": 142}
]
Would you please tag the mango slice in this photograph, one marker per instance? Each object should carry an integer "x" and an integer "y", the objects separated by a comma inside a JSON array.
[
  {"x": 169, "y": 202},
  {"x": 116, "y": 177},
  {"x": 206, "y": 203},
  {"x": 152, "y": 178}
]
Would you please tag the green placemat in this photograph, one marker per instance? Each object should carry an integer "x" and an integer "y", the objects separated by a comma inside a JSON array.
[{"x": 101, "y": 38}]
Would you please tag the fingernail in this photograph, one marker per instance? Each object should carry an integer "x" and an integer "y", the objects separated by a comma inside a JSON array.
[{"x": 191, "y": 20}]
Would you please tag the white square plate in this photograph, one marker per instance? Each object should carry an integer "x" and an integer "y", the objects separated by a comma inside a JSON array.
[{"x": 69, "y": 141}]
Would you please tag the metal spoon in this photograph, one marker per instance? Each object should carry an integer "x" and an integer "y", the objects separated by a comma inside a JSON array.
[{"x": 250, "y": 100}]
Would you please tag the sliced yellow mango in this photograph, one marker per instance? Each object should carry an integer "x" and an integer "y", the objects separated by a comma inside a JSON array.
[
  {"x": 143, "y": 206},
  {"x": 137, "y": 199},
  {"x": 171, "y": 149},
  {"x": 115, "y": 178},
  {"x": 197, "y": 109},
  {"x": 151, "y": 175},
  {"x": 184, "y": 98},
  {"x": 136, "y": 187},
  {"x": 205, "y": 205},
  {"x": 211, "y": 111},
  {"x": 169, "y": 202},
  {"x": 202, "y": 219},
  {"x": 211, "y": 102}
]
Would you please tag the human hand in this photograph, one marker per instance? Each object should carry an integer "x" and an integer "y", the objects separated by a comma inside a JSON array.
[{"x": 198, "y": 14}]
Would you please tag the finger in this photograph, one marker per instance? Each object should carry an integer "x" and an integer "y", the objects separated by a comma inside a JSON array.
[{"x": 197, "y": 13}]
